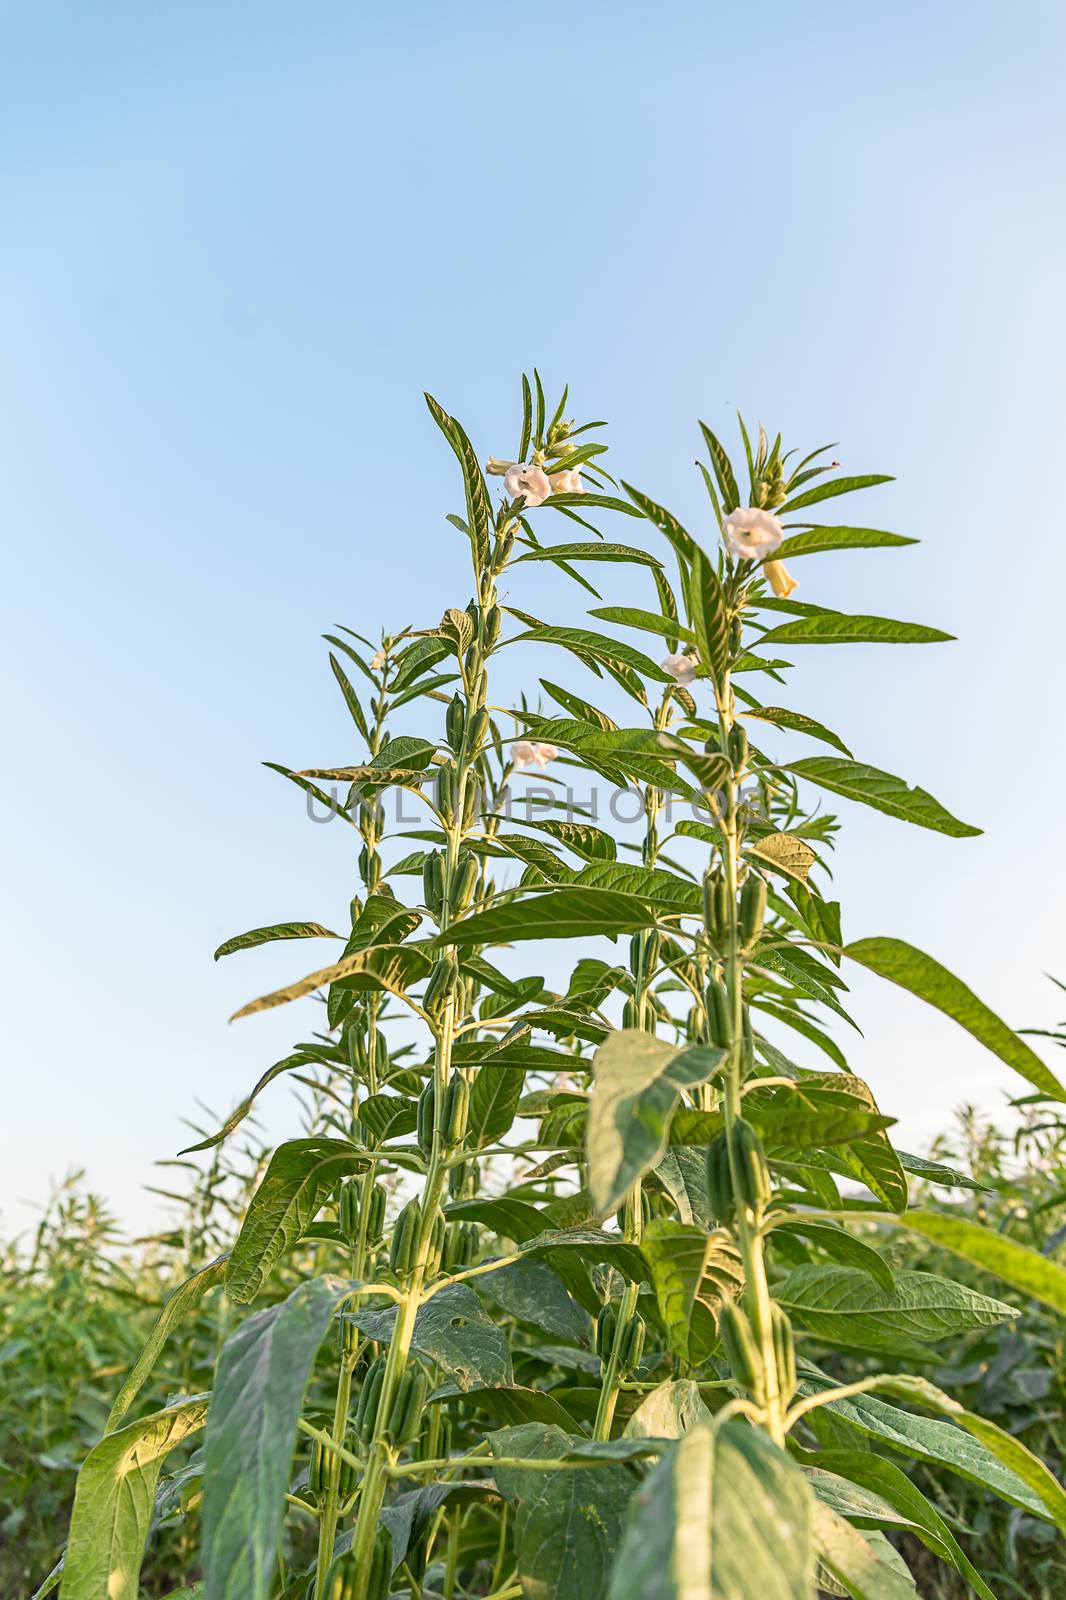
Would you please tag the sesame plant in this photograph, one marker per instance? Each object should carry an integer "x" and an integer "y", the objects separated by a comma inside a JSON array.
[{"x": 606, "y": 1300}]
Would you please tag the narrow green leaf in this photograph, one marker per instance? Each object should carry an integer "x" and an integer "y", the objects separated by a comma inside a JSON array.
[
  {"x": 279, "y": 930},
  {"x": 836, "y": 628},
  {"x": 589, "y": 550},
  {"x": 867, "y": 1571},
  {"x": 710, "y": 616},
  {"x": 494, "y": 1102},
  {"x": 683, "y": 544},
  {"x": 301, "y": 1176},
  {"x": 901, "y": 963},
  {"x": 392, "y": 967},
  {"x": 796, "y": 722},
  {"x": 178, "y": 1305},
  {"x": 846, "y": 1306},
  {"x": 818, "y": 539},
  {"x": 563, "y": 913},
  {"x": 882, "y": 791},
  {"x": 830, "y": 490},
  {"x": 1025, "y": 1269},
  {"x": 723, "y": 470}
]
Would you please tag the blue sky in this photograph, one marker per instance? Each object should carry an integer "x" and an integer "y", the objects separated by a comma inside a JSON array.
[{"x": 239, "y": 241}]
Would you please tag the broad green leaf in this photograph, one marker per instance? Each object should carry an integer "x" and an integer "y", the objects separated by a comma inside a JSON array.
[
  {"x": 453, "y": 1331},
  {"x": 796, "y": 722},
  {"x": 651, "y": 884},
  {"x": 259, "y": 1386},
  {"x": 637, "y": 1083},
  {"x": 830, "y": 490},
  {"x": 532, "y": 1292},
  {"x": 835, "y": 628},
  {"x": 595, "y": 1246},
  {"x": 567, "y": 1524},
  {"x": 786, "y": 854},
  {"x": 872, "y": 1471},
  {"x": 493, "y": 1102},
  {"x": 941, "y": 1444},
  {"x": 563, "y": 913},
  {"x": 912, "y": 969},
  {"x": 387, "y": 1116},
  {"x": 279, "y": 930},
  {"x": 301, "y": 1176},
  {"x": 1009, "y": 1451},
  {"x": 724, "y": 1516},
  {"x": 882, "y": 791},
  {"x": 816, "y": 539},
  {"x": 590, "y": 843},
  {"x": 822, "y": 1108},
  {"x": 1005, "y": 1258},
  {"x": 846, "y": 1306},
  {"x": 851, "y": 1557},
  {"x": 113, "y": 1502},
  {"x": 517, "y": 1404},
  {"x": 392, "y": 967},
  {"x": 178, "y": 1305},
  {"x": 692, "y": 1272},
  {"x": 842, "y": 1246},
  {"x": 668, "y": 1412},
  {"x": 937, "y": 1172},
  {"x": 589, "y": 550}
]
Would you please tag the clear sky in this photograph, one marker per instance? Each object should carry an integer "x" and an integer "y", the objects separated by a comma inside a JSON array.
[{"x": 238, "y": 242}]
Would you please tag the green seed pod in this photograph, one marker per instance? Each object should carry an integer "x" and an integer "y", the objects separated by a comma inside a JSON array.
[
  {"x": 719, "y": 1179},
  {"x": 632, "y": 1345},
  {"x": 442, "y": 981},
  {"x": 719, "y": 1021},
  {"x": 464, "y": 882},
  {"x": 348, "y": 1210},
  {"x": 742, "y": 1353},
  {"x": 645, "y": 1206},
  {"x": 476, "y": 730},
  {"x": 404, "y": 1247},
  {"x": 356, "y": 909},
  {"x": 317, "y": 1467},
  {"x": 427, "y": 1104},
  {"x": 471, "y": 803},
  {"x": 473, "y": 662},
  {"x": 405, "y": 1416},
  {"x": 493, "y": 617},
  {"x": 455, "y": 1109},
  {"x": 433, "y": 881},
  {"x": 457, "y": 1178},
  {"x": 347, "y": 1474},
  {"x": 379, "y": 1580},
  {"x": 455, "y": 722},
  {"x": 606, "y": 1323},
  {"x": 446, "y": 781},
  {"x": 342, "y": 1585},
  {"x": 752, "y": 908},
  {"x": 754, "y": 1188},
  {"x": 784, "y": 1351},
  {"x": 436, "y": 1238},
  {"x": 631, "y": 1014},
  {"x": 471, "y": 1242},
  {"x": 348, "y": 1336},
  {"x": 375, "y": 1215},
  {"x": 738, "y": 747},
  {"x": 366, "y": 1411},
  {"x": 381, "y": 1055}
]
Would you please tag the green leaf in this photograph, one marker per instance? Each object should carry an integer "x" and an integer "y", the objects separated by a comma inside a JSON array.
[
  {"x": 262, "y": 1374},
  {"x": 453, "y": 1331},
  {"x": 1009, "y": 1451},
  {"x": 351, "y": 699},
  {"x": 236, "y": 1117},
  {"x": 301, "y": 1176},
  {"x": 710, "y": 616},
  {"x": 816, "y": 539},
  {"x": 683, "y": 544},
  {"x": 1034, "y": 1274},
  {"x": 912, "y": 969},
  {"x": 855, "y": 781},
  {"x": 594, "y": 1245},
  {"x": 532, "y": 1292},
  {"x": 563, "y": 913},
  {"x": 493, "y": 1102},
  {"x": 724, "y": 1516},
  {"x": 589, "y": 550},
  {"x": 567, "y": 1524},
  {"x": 478, "y": 509},
  {"x": 178, "y": 1305},
  {"x": 723, "y": 470},
  {"x": 578, "y": 708},
  {"x": 611, "y": 652},
  {"x": 645, "y": 621},
  {"x": 842, "y": 1246},
  {"x": 637, "y": 1083},
  {"x": 796, "y": 722},
  {"x": 692, "y": 1272},
  {"x": 280, "y": 930},
  {"x": 936, "y": 1172},
  {"x": 835, "y": 628},
  {"x": 668, "y": 1412},
  {"x": 862, "y": 1567},
  {"x": 392, "y": 967},
  {"x": 846, "y": 1306},
  {"x": 830, "y": 490},
  {"x": 785, "y": 853},
  {"x": 113, "y": 1503}
]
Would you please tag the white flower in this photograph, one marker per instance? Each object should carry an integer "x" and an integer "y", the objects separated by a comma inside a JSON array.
[
  {"x": 531, "y": 481},
  {"x": 567, "y": 482},
  {"x": 751, "y": 534},
  {"x": 781, "y": 580},
  {"x": 525, "y": 754},
  {"x": 681, "y": 668},
  {"x": 378, "y": 661}
]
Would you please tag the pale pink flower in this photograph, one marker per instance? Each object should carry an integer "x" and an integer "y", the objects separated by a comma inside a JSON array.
[
  {"x": 531, "y": 481},
  {"x": 567, "y": 482},
  {"x": 681, "y": 668},
  {"x": 543, "y": 753},
  {"x": 378, "y": 661},
  {"x": 751, "y": 534},
  {"x": 525, "y": 754}
]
